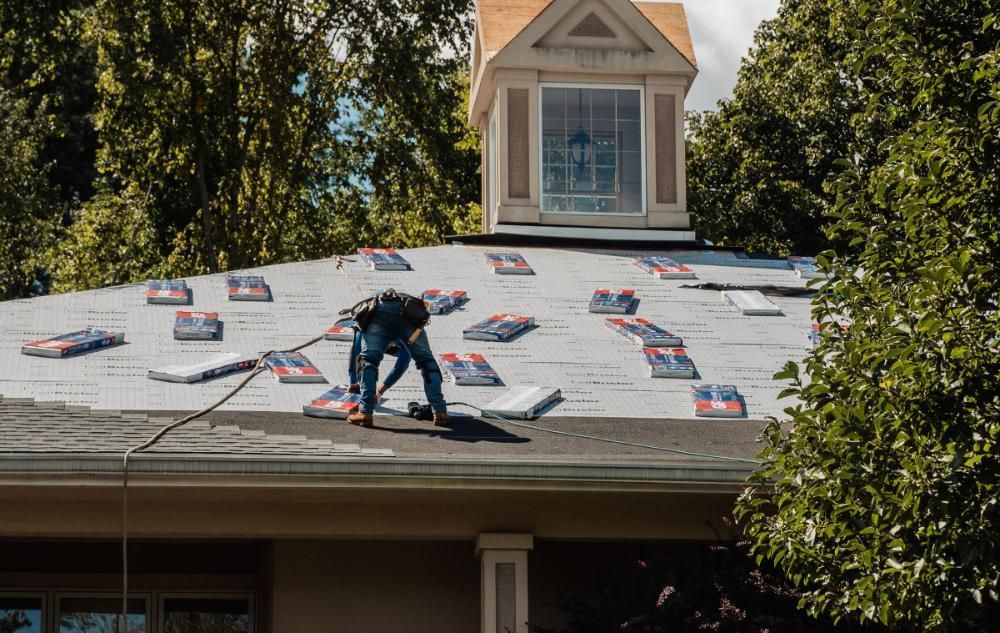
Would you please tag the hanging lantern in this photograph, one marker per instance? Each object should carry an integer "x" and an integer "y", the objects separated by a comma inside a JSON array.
[
  {"x": 579, "y": 149},
  {"x": 579, "y": 144}
]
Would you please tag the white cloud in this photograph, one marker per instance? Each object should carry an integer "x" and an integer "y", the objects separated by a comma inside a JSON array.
[{"x": 722, "y": 31}]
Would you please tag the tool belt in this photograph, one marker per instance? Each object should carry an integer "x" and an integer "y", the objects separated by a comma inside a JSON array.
[{"x": 412, "y": 309}]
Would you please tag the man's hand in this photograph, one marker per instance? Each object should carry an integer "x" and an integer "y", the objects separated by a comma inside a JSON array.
[{"x": 381, "y": 390}]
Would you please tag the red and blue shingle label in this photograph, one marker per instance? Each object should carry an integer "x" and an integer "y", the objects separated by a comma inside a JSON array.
[{"x": 383, "y": 259}]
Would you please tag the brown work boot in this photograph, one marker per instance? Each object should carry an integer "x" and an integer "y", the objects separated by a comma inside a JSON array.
[
  {"x": 360, "y": 418},
  {"x": 441, "y": 419}
]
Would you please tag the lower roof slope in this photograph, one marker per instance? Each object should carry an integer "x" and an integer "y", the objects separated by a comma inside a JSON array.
[{"x": 28, "y": 427}]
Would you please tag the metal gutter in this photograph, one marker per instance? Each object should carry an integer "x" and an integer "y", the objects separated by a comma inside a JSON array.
[{"x": 249, "y": 471}]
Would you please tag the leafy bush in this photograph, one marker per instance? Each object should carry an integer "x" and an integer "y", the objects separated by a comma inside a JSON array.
[
  {"x": 702, "y": 588},
  {"x": 886, "y": 503}
]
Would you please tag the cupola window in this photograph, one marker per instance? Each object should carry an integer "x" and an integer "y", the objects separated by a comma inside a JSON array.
[{"x": 592, "y": 149}]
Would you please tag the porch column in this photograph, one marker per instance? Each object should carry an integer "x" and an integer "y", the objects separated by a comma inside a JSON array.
[{"x": 504, "y": 581}]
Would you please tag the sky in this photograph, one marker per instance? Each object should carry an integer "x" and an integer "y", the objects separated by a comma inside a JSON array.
[{"x": 722, "y": 31}]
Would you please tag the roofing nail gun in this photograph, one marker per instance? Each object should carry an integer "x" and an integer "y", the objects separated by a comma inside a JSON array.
[{"x": 419, "y": 411}]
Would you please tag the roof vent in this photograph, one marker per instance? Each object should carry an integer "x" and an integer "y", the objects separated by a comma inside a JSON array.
[{"x": 592, "y": 26}]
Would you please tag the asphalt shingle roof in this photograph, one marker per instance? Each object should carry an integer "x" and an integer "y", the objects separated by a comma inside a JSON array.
[{"x": 27, "y": 426}]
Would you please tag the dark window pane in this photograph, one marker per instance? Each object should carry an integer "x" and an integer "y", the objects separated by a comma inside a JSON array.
[
  {"x": 554, "y": 203},
  {"x": 554, "y": 127},
  {"x": 631, "y": 167},
  {"x": 554, "y": 172},
  {"x": 575, "y": 123},
  {"x": 100, "y": 615},
  {"x": 605, "y": 205},
  {"x": 602, "y": 104},
  {"x": 555, "y": 157},
  {"x": 206, "y": 615},
  {"x": 554, "y": 102},
  {"x": 629, "y": 135},
  {"x": 21, "y": 615},
  {"x": 584, "y": 203},
  {"x": 555, "y": 142},
  {"x": 606, "y": 174},
  {"x": 578, "y": 103},
  {"x": 628, "y": 105},
  {"x": 631, "y": 198},
  {"x": 605, "y": 144},
  {"x": 603, "y": 128},
  {"x": 606, "y": 159}
]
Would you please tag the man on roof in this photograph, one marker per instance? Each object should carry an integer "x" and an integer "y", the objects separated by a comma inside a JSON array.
[
  {"x": 397, "y": 348},
  {"x": 383, "y": 319}
]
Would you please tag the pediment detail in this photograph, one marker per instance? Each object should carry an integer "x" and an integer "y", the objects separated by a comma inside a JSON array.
[{"x": 591, "y": 26}]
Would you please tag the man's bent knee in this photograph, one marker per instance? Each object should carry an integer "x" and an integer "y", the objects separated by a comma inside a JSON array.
[{"x": 429, "y": 371}]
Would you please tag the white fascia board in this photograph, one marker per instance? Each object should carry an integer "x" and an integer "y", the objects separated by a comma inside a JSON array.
[{"x": 583, "y": 232}]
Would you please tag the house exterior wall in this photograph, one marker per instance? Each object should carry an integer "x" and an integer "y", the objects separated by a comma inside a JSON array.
[
  {"x": 407, "y": 512},
  {"x": 329, "y": 585},
  {"x": 334, "y": 556},
  {"x": 358, "y": 586},
  {"x": 665, "y": 210},
  {"x": 517, "y": 208}
]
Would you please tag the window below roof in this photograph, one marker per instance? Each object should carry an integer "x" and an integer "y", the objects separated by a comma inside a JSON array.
[
  {"x": 205, "y": 615},
  {"x": 73, "y": 612},
  {"x": 592, "y": 149},
  {"x": 21, "y": 614},
  {"x": 101, "y": 614}
]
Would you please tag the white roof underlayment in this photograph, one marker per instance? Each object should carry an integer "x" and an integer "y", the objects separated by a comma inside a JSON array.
[{"x": 600, "y": 373}]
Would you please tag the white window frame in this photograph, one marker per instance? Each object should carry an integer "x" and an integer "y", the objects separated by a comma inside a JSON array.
[
  {"x": 194, "y": 595},
  {"x": 642, "y": 146}
]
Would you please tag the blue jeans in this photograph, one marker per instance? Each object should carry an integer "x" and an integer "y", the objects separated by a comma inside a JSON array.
[
  {"x": 388, "y": 325},
  {"x": 402, "y": 362}
]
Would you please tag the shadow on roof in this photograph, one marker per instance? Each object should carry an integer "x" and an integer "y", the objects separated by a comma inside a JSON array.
[{"x": 462, "y": 429}]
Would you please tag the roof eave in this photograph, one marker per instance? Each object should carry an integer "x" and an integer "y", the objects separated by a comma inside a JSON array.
[{"x": 252, "y": 471}]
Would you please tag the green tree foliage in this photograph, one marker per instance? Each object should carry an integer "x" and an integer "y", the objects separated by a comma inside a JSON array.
[
  {"x": 46, "y": 140},
  {"x": 238, "y": 133},
  {"x": 886, "y": 503},
  {"x": 14, "y": 621},
  {"x": 27, "y": 226},
  {"x": 758, "y": 167},
  {"x": 46, "y": 60}
]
